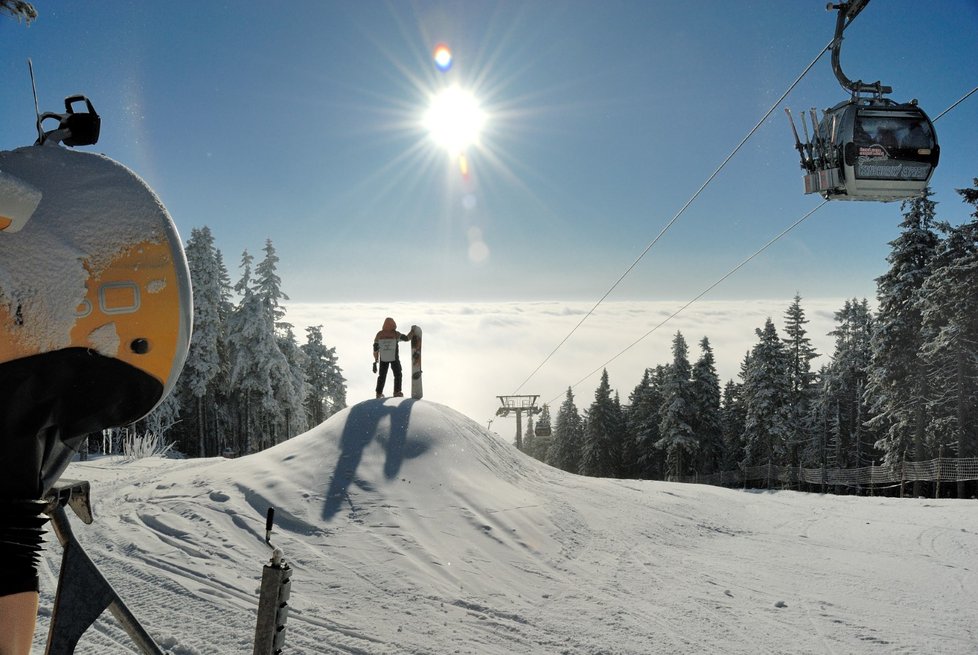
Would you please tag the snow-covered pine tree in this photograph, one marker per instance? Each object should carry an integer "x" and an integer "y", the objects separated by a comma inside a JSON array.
[
  {"x": 896, "y": 384},
  {"x": 599, "y": 452},
  {"x": 846, "y": 383},
  {"x": 767, "y": 397},
  {"x": 676, "y": 437},
  {"x": 705, "y": 397},
  {"x": 565, "y": 448},
  {"x": 292, "y": 391},
  {"x": 268, "y": 285},
  {"x": 222, "y": 423},
  {"x": 19, "y": 9},
  {"x": 327, "y": 386},
  {"x": 817, "y": 452},
  {"x": 286, "y": 415},
  {"x": 642, "y": 422},
  {"x": 949, "y": 308},
  {"x": 258, "y": 367},
  {"x": 800, "y": 353},
  {"x": 732, "y": 418},
  {"x": 204, "y": 356},
  {"x": 623, "y": 446}
]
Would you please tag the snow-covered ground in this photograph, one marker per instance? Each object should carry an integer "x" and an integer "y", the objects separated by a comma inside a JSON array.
[{"x": 411, "y": 529}]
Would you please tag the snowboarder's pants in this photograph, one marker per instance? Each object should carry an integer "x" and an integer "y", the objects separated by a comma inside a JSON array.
[{"x": 382, "y": 376}]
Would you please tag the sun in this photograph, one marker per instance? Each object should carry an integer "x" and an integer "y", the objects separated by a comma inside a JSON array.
[{"x": 455, "y": 120}]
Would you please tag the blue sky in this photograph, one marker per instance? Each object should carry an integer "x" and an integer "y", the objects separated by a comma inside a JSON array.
[{"x": 302, "y": 123}]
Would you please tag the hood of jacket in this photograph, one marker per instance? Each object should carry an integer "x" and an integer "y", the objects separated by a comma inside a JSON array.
[{"x": 389, "y": 324}]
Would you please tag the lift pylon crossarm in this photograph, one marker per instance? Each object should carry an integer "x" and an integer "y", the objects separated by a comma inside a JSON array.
[{"x": 518, "y": 404}]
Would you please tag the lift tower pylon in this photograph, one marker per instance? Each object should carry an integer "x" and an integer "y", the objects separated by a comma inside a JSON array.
[{"x": 518, "y": 405}]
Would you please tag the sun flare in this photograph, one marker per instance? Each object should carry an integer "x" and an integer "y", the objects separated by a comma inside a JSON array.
[{"x": 454, "y": 119}]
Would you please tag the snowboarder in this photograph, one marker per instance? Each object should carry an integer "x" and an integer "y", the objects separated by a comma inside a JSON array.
[{"x": 386, "y": 352}]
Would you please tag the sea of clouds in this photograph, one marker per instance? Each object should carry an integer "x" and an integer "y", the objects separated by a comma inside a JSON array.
[{"x": 474, "y": 352}]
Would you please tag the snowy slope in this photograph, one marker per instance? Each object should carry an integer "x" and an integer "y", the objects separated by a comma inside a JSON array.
[{"x": 413, "y": 530}]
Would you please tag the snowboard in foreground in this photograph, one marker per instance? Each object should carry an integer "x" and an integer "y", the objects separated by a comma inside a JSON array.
[{"x": 95, "y": 303}]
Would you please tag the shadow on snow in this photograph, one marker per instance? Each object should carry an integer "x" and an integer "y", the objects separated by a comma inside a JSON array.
[{"x": 361, "y": 428}]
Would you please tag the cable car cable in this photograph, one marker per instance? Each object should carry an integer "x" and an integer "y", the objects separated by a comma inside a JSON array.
[
  {"x": 960, "y": 100},
  {"x": 702, "y": 293},
  {"x": 678, "y": 214},
  {"x": 731, "y": 272}
]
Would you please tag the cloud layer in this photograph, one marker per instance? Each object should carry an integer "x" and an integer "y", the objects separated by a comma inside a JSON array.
[{"x": 477, "y": 351}]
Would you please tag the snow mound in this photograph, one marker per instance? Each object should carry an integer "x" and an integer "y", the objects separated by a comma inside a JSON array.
[
  {"x": 411, "y": 529},
  {"x": 402, "y": 465}
]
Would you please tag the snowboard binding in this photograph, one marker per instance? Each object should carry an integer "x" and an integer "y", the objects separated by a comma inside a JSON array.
[{"x": 74, "y": 128}]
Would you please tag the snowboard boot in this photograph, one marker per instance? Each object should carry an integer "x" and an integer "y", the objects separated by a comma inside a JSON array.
[{"x": 398, "y": 394}]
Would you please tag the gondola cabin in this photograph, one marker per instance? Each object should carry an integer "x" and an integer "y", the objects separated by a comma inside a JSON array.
[{"x": 872, "y": 149}]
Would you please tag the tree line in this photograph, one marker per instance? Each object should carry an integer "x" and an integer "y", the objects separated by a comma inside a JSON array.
[
  {"x": 901, "y": 384},
  {"x": 247, "y": 383}
]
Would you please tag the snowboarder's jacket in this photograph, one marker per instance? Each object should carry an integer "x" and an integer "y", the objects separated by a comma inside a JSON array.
[{"x": 385, "y": 343}]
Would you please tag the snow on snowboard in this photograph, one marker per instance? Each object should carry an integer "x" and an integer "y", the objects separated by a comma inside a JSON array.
[
  {"x": 416, "y": 391},
  {"x": 95, "y": 306}
]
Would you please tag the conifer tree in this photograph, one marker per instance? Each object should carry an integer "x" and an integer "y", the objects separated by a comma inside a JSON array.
[
  {"x": 642, "y": 420},
  {"x": 767, "y": 397},
  {"x": 268, "y": 285},
  {"x": 676, "y": 437},
  {"x": 799, "y": 353},
  {"x": 599, "y": 452},
  {"x": 817, "y": 452},
  {"x": 623, "y": 446},
  {"x": 897, "y": 376},
  {"x": 705, "y": 397},
  {"x": 949, "y": 308},
  {"x": 846, "y": 383},
  {"x": 327, "y": 386},
  {"x": 203, "y": 365},
  {"x": 293, "y": 388},
  {"x": 732, "y": 419},
  {"x": 565, "y": 449},
  {"x": 258, "y": 367}
]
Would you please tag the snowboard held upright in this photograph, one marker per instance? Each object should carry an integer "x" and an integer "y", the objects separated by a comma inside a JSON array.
[{"x": 416, "y": 390}]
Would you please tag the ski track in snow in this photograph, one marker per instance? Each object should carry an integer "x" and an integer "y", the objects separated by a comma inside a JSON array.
[{"x": 411, "y": 530}]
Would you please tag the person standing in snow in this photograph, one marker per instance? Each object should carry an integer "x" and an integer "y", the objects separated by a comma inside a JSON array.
[{"x": 386, "y": 352}]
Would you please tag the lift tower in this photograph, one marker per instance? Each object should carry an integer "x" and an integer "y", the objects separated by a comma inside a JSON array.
[{"x": 518, "y": 404}]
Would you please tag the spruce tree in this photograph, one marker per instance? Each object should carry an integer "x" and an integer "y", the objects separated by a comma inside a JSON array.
[
  {"x": 676, "y": 437},
  {"x": 599, "y": 452},
  {"x": 642, "y": 420},
  {"x": 565, "y": 448},
  {"x": 705, "y": 397},
  {"x": 293, "y": 389},
  {"x": 949, "y": 309},
  {"x": 897, "y": 376},
  {"x": 767, "y": 397},
  {"x": 800, "y": 353},
  {"x": 326, "y": 393},
  {"x": 732, "y": 418},
  {"x": 203, "y": 366},
  {"x": 846, "y": 384}
]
